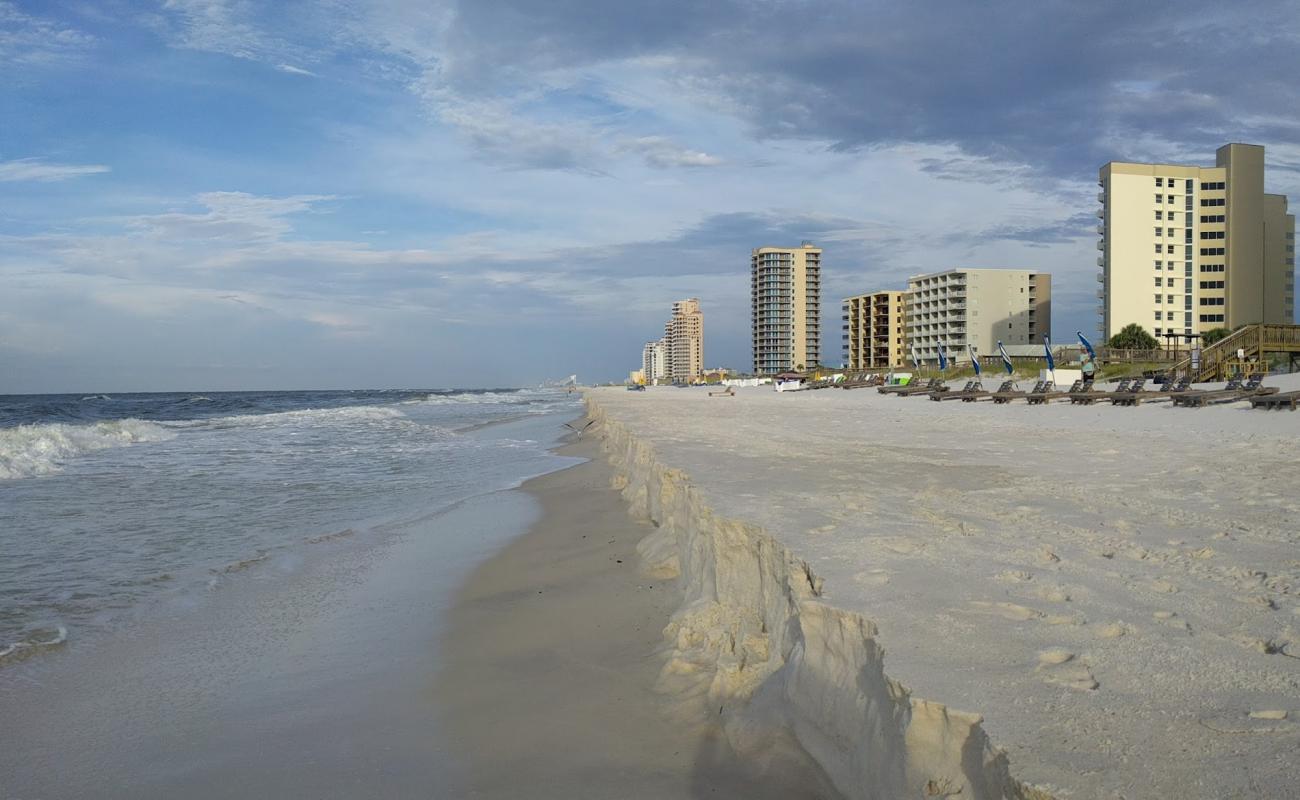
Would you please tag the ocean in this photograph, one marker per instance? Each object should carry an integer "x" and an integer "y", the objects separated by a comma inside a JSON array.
[
  {"x": 111, "y": 503},
  {"x": 242, "y": 594}
]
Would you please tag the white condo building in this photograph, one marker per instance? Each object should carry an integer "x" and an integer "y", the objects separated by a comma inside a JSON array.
[{"x": 980, "y": 307}]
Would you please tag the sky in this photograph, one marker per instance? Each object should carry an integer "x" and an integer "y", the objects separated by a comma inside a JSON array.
[{"x": 230, "y": 194}]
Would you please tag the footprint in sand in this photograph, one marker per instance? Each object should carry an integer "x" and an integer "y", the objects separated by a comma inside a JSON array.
[
  {"x": 1064, "y": 668},
  {"x": 1015, "y": 576},
  {"x": 1053, "y": 594},
  {"x": 875, "y": 577},
  {"x": 1011, "y": 611},
  {"x": 1163, "y": 586},
  {"x": 1113, "y": 630},
  {"x": 1171, "y": 619}
]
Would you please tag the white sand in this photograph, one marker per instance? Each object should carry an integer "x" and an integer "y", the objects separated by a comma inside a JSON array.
[{"x": 1115, "y": 590}]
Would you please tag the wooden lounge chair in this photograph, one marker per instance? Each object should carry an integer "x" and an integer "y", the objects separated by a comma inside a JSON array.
[
  {"x": 1090, "y": 396},
  {"x": 864, "y": 381},
  {"x": 1052, "y": 393},
  {"x": 1131, "y": 397},
  {"x": 730, "y": 391},
  {"x": 1006, "y": 395},
  {"x": 1252, "y": 388},
  {"x": 981, "y": 392},
  {"x": 971, "y": 386},
  {"x": 1280, "y": 400},
  {"x": 1171, "y": 389},
  {"x": 1189, "y": 398},
  {"x": 933, "y": 385},
  {"x": 913, "y": 383}
]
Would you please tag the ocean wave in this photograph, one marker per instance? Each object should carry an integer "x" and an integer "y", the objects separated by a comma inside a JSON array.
[
  {"x": 483, "y": 398},
  {"x": 96, "y": 397},
  {"x": 301, "y": 417},
  {"x": 31, "y": 643},
  {"x": 28, "y": 451}
]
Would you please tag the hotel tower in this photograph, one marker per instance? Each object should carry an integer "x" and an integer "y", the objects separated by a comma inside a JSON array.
[
  {"x": 785, "y": 307},
  {"x": 1186, "y": 249}
]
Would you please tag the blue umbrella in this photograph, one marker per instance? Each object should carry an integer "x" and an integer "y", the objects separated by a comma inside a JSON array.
[
  {"x": 1087, "y": 345},
  {"x": 943, "y": 359},
  {"x": 974, "y": 359},
  {"x": 1006, "y": 359}
]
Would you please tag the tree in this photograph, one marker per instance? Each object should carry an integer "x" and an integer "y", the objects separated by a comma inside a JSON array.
[
  {"x": 1213, "y": 335},
  {"x": 1133, "y": 337}
]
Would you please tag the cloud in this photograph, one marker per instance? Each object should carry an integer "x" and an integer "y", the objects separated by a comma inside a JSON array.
[
  {"x": 663, "y": 153},
  {"x": 35, "y": 169},
  {"x": 292, "y": 70},
  {"x": 29, "y": 41}
]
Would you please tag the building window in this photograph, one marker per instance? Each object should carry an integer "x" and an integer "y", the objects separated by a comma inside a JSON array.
[
  {"x": 1214, "y": 201},
  {"x": 1158, "y": 317},
  {"x": 1157, "y": 233},
  {"x": 1159, "y": 249},
  {"x": 1211, "y": 284},
  {"x": 1169, "y": 281},
  {"x": 1212, "y": 301},
  {"x": 1160, "y": 181},
  {"x": 1160, "y": 214},
  {"x": 1157, "y": 301},
  {"x": 1169, "y": 198},
  {"x": 1169, "y": 248},
  {"x": 1157, "y": 331},
  {"x": 1210, "y": 251},
  {"x": 1159, "y": 198},
  {"x": 1169, "y": 231},
  {"x": 1157, "y": 267},
  {"x": 1213, "y": 234},
  {"x": 1211, "y": 218},
  {"x": 1211, "y": 318},
  {"x": 1169, "y": 316}
]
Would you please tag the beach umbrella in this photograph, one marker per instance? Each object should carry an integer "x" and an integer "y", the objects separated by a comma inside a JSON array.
[
  {"x": 1087, "y": 345},
  {"x": 1006, "y": 359},
  {"x": 1051, "y": 362},
  {"x": 943, "y": 359},
  {"x": 916, "y": 359},
  {"x": 974, "y": 359}
]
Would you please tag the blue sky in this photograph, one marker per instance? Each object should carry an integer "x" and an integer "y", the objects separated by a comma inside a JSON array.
[{"x": 222, "y": 194}]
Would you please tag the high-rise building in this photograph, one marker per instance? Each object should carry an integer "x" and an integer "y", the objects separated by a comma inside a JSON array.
[
  {"x": 1186, "y": 249},
  {"x": 654, "y": 361},
  {"x": 684, "y": 342},
  {"x": 980, "y": 307},
  {"x": 785, "y": 307},
  {"x": 873, "y": 330}
]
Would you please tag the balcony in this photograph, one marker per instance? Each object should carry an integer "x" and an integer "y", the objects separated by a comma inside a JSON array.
[
  {"x": 1101, "y": 277},
  {"x": 1101, "y": 245},
  {"x": 1101, "y": 230},
  {"x": 1101, "y": 261},
  {"x": 1101, "y": 197},
  {"x": 1101, "y": 294},
  {"x": 1101, "y": 213}
]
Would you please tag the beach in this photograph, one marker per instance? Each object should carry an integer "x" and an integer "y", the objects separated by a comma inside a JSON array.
[
  {"x": 553, "y": 650},
  {"x": 948, "y": 599}
]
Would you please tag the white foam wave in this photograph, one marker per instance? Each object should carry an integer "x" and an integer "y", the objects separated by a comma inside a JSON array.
[
  {"x": 28, "y": 451},
  {"x": 484, "y": 398},
  {"x": 96, "y": 397},
  {"x": 307, "y": 417},
  {"x": 39, "y": 640}
]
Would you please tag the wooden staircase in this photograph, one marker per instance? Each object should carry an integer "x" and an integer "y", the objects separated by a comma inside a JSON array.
[{"x": 1220, "y": 360}]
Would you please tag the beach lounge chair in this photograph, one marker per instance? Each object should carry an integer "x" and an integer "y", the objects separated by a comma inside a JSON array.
[
  {"x": 1253, "y": 387},
  {"x": 1052, "y": 393},
  {"x": 980, "y": 392},
  {"x": 933, "y": 385},
  {"x": 971, "y": 386},
  {"x": 730, "y": 391},
  {"x": 1131, "y": 397},
  {"x": 1189, "y": 398},
  {"x": 1007, "y": 394},
  {"x": 1280, "y": 400},
  {"x": 913, "y": 383},
  {"x": 1171, "y": 389},
  {"x": 1090, "y": 396}
]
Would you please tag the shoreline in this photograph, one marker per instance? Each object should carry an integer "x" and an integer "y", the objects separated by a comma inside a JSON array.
[{"x": 552, "y": 684}]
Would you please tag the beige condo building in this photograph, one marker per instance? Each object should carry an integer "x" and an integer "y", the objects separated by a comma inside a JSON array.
[
  {"x": 1185, "y": 249},
  {"x": 785, "y": 307},
  {"x": 873, "y": 330},
  {"x": 684, "y": 342},
  {"x": 961, "y": 307},
  {"x": 654, "y": 361}
]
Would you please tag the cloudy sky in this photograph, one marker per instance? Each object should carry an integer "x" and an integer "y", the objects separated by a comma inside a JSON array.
[{"x": 213, "y": 194}]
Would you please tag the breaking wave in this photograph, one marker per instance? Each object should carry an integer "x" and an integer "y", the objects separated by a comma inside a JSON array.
[{"x": 28, "y": 451}]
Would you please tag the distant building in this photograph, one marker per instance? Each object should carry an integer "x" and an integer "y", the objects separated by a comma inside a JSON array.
[
  {"x": 961, "y": 307},
  {"x": 785, "y": 306},
  {"x": 684, "y": 342},
  {"x": 873, "y": 330},
  {"x": 1186, "y": 249},
  {"x": 654, "y": 358}
]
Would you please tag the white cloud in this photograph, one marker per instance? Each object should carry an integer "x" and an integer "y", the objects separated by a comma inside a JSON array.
[
  {"x": 29, "y": 41},
  {"x": 663, "y": 153},
  {"x": 292, "y": 70},
  {"x": 35, "y": 169}
]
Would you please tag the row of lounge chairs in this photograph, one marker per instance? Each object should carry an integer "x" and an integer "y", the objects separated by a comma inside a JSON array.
[{"x": 1129, "y": 392}]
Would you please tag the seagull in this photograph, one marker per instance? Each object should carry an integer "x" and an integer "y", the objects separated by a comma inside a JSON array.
[{"x": 579, "y": 431}]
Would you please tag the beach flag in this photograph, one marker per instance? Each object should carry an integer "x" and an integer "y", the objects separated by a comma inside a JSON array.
[
  {"x": 916, "y": 359},
  {"x": 1087, "y": 345},
  {"x": 974, "y": 359},
  {"x": 1051, "y": 362},
  {"x": 1006, "y": 359},
  {"x": 943, "y": 359}
]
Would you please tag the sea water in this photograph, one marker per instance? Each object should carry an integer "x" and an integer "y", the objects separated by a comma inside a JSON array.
[{"x": 248, "y": 584}]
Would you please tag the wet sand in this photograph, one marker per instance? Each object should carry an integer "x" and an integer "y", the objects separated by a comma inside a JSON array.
[{"x": 552, "y": 651}]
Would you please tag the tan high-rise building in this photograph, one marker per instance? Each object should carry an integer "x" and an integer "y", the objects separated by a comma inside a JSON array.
[
  {"x": 873, "y": 330},
  {"x": 1186, "y": 249},
  {"x": 684, "y": 342},
  {"x": 980, "y": 307},
  {"x": 785, "y": 307}
]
